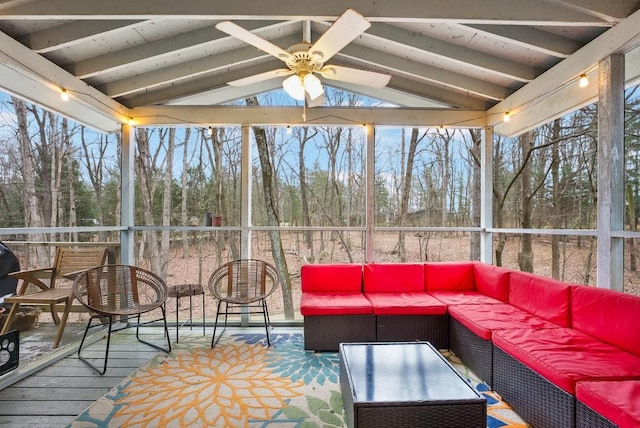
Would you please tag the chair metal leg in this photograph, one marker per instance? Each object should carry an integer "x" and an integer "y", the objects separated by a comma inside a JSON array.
[
  {"x": 215, "y": 325},
  {"x": 203, "y": 317},
  {"x": 166, "y": 333},
  {"x": 106, "y": 352},
  {"x": 267, "y": 322}
]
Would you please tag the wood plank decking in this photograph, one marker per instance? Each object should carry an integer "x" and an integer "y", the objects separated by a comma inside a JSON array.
[{"x": 55, "y": 395}]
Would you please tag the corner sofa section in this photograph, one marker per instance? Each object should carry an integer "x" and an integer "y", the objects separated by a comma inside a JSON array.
[{"x": 560, "y": 354}]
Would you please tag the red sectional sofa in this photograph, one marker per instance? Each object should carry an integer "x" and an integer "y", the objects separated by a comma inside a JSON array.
[{"x": 562, "y": 355}]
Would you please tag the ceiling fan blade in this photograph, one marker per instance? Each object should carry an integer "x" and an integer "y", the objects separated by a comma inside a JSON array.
[
  {"x": 257, "y": 78},
  {"x": 315, "y": 102},
  {"x": 343, "y": 31},
  {"x": 354, "y": 75},
  {"x": 248, "y": 37}
]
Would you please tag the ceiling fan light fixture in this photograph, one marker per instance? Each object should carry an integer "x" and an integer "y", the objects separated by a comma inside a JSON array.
[
  {"x": 313, "y": 86},
  {"x": 294, "y": 87}
]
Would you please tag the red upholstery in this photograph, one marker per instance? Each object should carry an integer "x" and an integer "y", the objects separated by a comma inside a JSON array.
[
  {"x": 449, "y": 276},
  {"x": 607, "y": 315},
  {"x": 565, "y": 356},
  {"x": 463, "y": 298},
  {"x": 618, "y": 401},
  {"x": 331, "y": 277},
  {"x": 483, "y": 320},
  {"x": 419, "y": 303},
  {"x": 492, "y": 281},
  {"x": 393, "y": 277},
  {"x": 544, "y": 297},
  {"x": 334, "y": 304}
]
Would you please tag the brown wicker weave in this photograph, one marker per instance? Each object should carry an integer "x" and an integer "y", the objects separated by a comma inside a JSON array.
[
  {"x": 326, "y": 332},
  {"x": 534, "y": 398},
  {"x": 408, "y": 328},
  {"x": 120, "y": 291},
  {"x": 243, "y": 286},
  {"x": 475, "y": 352}
]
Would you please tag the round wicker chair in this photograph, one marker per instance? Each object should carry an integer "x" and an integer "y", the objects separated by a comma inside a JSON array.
[
  {"x": 120, "y": 292},
  {"x": 243, "y": 286}
]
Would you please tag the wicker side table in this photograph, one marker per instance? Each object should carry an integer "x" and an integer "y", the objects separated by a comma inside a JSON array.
[{"x": 186, "y": 290}]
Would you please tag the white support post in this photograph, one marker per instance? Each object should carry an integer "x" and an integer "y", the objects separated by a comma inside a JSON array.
[
  {"x": 486, "y": 195},
  {"x": 245, "y": 191},
  {"x": 611, "y": 172},
  {"x": 370, "y": 212},
  {"x": 127, "y": 192}
]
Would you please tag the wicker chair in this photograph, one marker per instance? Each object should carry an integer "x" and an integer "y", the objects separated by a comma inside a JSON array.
[
  {"x": 120, "y": 291},
  {"x": 243, "y": 286},
  {"x": 69, "y": 261}
]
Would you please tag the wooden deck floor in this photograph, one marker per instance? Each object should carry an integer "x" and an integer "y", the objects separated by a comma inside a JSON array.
[{"x": 55, "y": 395}]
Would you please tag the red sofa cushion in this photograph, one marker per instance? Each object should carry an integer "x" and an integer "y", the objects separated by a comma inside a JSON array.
[
  {"x": 565, "y": 356},
  {"x": 411, "y": 303},
  {"x": 334, "y": 304},
  {"x": 463, "y": 298},
  {"x": 483, "y": 320},
  {"x": 456, "y": 276},
  {"x": 607, "y": 315},
  {"x": 331, "y": 277},
  {"x": 393, "y": 277},
  {"x": 618, "y": 401},
  {"x": 545, "y": 297},
  {"x": 492, "y": 281}
]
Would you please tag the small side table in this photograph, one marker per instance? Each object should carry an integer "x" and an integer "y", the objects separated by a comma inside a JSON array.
[{"x": 186, "y": 290}]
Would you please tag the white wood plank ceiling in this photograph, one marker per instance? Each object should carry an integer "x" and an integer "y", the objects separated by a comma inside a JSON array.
[{"x": 453, "y": 63}]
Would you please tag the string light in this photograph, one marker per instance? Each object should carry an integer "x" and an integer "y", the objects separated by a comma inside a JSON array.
[
  {"x": 131, "y": 121},
  {"x": 64, "y": 95},
  {"x": 210, "y": 131},
  {"x": 506, "y": 117},
  {"x": 289, "y": 130},
  {"x": 584, "y": 81}
]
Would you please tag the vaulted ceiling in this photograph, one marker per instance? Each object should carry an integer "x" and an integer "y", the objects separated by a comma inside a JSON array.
[{"x": 453, "y": 63}]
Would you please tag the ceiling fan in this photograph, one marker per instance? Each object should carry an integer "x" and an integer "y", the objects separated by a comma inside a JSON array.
[{"x": 305, "y": 60}]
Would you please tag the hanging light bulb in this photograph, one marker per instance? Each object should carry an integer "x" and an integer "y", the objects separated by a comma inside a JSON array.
[
  {"x": 584, "y": 81},
  {"x": 289, "y": 130},
  {"x": 64, "y": 95},
  {"x": 131, "y": 121},
  {"x": 210, "y": 131},
  {"x": 313, "y": 86},
  {"x": 293, "y": 86},
  {"x": 506, "y": 117}
]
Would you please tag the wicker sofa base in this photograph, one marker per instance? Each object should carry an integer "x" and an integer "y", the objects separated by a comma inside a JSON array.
[
  {"x": 409, "y": 328},
  {"x": 587, "y": 418},
  {"x": 326, "y": 332},
  {"x": 475, "y": 352},
  {"x": 535, "y": 399}
]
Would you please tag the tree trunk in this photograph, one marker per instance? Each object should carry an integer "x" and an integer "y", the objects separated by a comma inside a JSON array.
[
  {"x": 165, "y": 245},
  {"x": 525, "y": 256},
  {"x": 30, "y": 200},
  {"x": 145, "y": 171},
  {"x": 406, "y": 189},
  {"x": 184, "y": 194},
  {"x": 272, "y": 215},
  {"x": 476, "y": 141},
  {"x": 555, "y": 194}
]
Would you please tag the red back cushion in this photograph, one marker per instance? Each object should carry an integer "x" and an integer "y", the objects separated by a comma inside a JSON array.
[
  {"x": 393, "y": 277},
  {"x": 456, "y": 276},
  {"x": 607, "y": 315},
  {"x": 492, "y": 281},
  {"x": 545, "y": 297},
  {"x": 331, "y": 277}
]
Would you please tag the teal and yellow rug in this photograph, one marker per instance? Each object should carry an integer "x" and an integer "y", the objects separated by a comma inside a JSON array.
[{"x": 242, "y": 383}]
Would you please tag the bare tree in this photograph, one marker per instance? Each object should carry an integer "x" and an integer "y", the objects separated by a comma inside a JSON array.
[{"x": 272, "y": 214}]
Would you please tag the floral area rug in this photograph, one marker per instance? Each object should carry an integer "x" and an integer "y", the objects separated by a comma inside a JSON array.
[{"x": 242, "y": 383}]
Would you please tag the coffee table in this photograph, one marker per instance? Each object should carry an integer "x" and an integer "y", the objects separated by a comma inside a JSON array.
[{"x": 405, "y": 384}]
